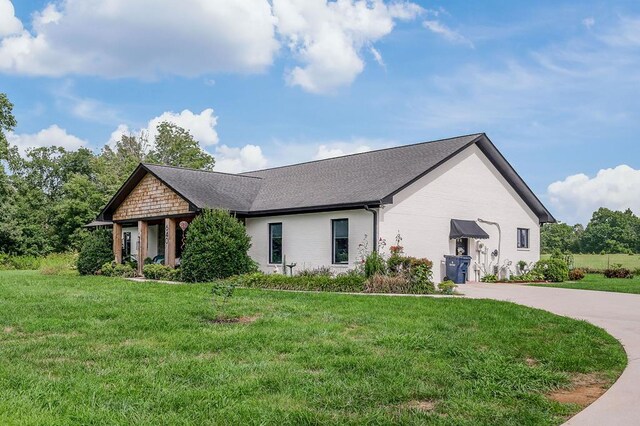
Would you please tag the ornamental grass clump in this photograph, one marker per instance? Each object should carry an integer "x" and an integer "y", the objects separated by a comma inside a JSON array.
[{"x": 216, "y": 247}]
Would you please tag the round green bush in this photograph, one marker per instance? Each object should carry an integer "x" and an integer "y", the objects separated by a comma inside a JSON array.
[
  {"x": 576, "y": 274},
  {"x": 216, "y": 247},
  {"x": 96, "y": 251},
  {"x": 554, "y": 269}
]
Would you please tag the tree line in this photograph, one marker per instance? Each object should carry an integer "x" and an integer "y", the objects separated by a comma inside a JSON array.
[
  {"x": 48, "y": 193},
  {"x": 607, "y": 232}
]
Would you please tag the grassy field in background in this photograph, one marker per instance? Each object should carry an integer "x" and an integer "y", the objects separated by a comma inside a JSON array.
[
  {"x": 600, "y": 283},
  {"x": 602, "y": 261},
  {"x": 95, "y": 350}
]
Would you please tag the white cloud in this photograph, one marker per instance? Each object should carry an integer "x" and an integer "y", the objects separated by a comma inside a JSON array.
[
  {"x": 52, "y": 135},
  {"x": 338, "y": 149},
  {"x": 328, "y": 37},
  {"x": 377, "y": 56},
  {"x": 447, "y": 33},
  {"x": 236, "y": 160},
  {"x": 549, "y": 96},
  {"x": 9, "y": 24},
  {"x": 83, "y": 107},
  {"x": 201, "y": 126},
  {"x": 577, "y": 196},
  {"x": 626, "y": 34},
  {"x": 122, "y": 38},
  {"x": 588, "y": 22},
  {"x": 118, "y": 133}
]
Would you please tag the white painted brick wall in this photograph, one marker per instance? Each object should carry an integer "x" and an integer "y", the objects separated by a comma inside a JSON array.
[
  {"x": 307, "y": 238},
  {"x": 466, "y": 187}
]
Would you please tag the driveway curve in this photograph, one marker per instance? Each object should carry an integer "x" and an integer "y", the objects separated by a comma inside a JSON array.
[{"x": 617, "y": 313}]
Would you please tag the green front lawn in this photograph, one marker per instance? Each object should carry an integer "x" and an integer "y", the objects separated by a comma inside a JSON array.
[
  {"x": 600, "y": 283},
  {"x": 95, "y": 350}
]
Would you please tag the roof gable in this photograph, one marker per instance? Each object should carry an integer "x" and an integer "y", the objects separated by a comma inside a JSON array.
[{"x": 150, "y": 198}]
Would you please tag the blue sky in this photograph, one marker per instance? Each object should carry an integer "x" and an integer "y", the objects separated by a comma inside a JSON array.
[{"x": 554, "y": 84}]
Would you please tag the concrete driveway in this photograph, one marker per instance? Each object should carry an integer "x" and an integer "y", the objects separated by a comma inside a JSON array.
[{"x": 617, "y": 313}]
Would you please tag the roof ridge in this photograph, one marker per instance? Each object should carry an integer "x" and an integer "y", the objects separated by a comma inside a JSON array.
[
  {"x": 361, "y": 153},
  {"x": 199, "y": 170}
]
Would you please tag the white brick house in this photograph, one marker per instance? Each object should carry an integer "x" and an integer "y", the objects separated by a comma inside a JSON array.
[{"x": 319, "y": 213}]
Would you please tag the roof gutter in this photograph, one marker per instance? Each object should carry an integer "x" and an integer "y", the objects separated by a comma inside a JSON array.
[{"x": 375, "y": 226}]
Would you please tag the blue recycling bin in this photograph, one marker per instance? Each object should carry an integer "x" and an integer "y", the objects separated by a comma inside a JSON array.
[{"x": 457, "y": 268}]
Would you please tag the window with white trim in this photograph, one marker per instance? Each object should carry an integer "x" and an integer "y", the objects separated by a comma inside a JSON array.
[
  {"x": 523, "y": 238},
  {"x": 275, "y": 243}
]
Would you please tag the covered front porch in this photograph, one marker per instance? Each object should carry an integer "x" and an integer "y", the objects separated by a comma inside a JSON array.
[
  {"x": 149, "y": 219},
  {"x": 159, "y": 239}
]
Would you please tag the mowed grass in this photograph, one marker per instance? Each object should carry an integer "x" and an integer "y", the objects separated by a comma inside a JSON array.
[
  {"x": 95, "y": 350},
  {"x": 601, "y": 283},
  {"x": 603, "y": 261}
]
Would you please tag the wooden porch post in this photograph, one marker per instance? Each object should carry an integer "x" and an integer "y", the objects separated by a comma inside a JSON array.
[
  {"x": 117, "y": 242},
  {"x": 143, "y": 239},
  {"x": 170, "y": 242}
]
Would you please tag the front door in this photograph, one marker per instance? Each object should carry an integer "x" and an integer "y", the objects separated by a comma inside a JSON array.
[
  {"x": 126, "y": 246},
  {"x": 462, "y": 247}
]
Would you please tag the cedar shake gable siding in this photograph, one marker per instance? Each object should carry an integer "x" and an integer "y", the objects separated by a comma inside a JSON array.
[{"x": 150, "y": 198}]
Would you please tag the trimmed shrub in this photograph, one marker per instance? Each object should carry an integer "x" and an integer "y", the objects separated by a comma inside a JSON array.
[
  {"x": 161, "y": 272},
  {"x": 447, "y": 287},
  {"x": 96, "y": 251},
  {"x": 347, "y": 282},
  {"x": 216, "y": 247},
  {"x": 617, "y": 271},
  {"x": 111, "y": 269},
  {"x": 576, "y": 274},
  {"x": 407, "y": 265},
  {"x": 59, "y": 264},
  {"x": 554, "y": 269}
]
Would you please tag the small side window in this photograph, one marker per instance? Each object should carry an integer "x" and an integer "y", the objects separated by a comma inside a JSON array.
[
  {"x": 340, "y": 237},
  {"x": 523, "y": 238},
  {"x": 275, "y": 243}
]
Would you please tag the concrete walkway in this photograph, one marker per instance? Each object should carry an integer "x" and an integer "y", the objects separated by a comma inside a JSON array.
[{"x": 617, "y": 313}]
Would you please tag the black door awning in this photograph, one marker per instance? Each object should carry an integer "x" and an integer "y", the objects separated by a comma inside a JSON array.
[{"x": 466, "y": 229}]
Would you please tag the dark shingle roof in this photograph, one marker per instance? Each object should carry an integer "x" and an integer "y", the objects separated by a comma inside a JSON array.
[
  {"x": 352, "y": 179},
  {"x": 209, "y": 189},
  {"x": 369, "y": 178}
]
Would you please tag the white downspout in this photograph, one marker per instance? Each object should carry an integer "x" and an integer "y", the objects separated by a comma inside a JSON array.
[{"x": 499, "y": 239}]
